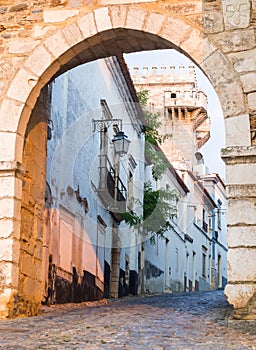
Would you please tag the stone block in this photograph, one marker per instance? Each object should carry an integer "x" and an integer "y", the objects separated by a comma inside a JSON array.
[
  {"x": 9, "y": 273},
  {"x": 239, "y": 295},
  {"x": 21, "y": 46},
  {"x": 251, "y": 98},
  {"x": 27, "y": 229},
  {"x": 213, "y": 22},
  {"x": 55, "y": 16},
  {"x": 87, "y": 25},
  {"x": 38, "y": 32},
  {"x": 240, "y": 174},
  {"x": 249, "y": 82},
  {"x": 9, "y": 248},
  {"x": 13, "y": 110},
  {"x": 224, "y": 72},
  {"x": 6, "y": 296},
  {"x": 118, "y": 16},
  {"x": 244, "y": 61},
  {"x": 9, "y": 228},
  {"x": 10, "y": 186},
  {"x": 38, "y": 266},
  {"x": 238, "y": 131},
  {"x": 195, "y": 51},
  {"x": 32, "y": 289},
  {"x": 237, "y": 40},
  {"x": 37, "y": 194},
  {"x": 241, "y": 212},
  {"x": 10, "y": 208},
  {"x": 135, "y": 18},
  {"x": 72, "y": 34},
  {"x": 9, "y": 66},
  {"x": 22, "y": 85},
  {"x": 57, "y": 44},
  {"x": 9, "y": 144},
  {"x": 170, "y": 32},
  {"x": 154, "y": 22},
  {"x": 241, "y": 265},
  {"x": 38, "y": 252},
  {"x": 208, "y": 48},
  {"x": 39, "y": 60},
  {"x": 102, "y": 19},
  {"x": 231, "y": 98},
  {"x": 27, "y": 266},
  {"x": 241, "y": 236}
]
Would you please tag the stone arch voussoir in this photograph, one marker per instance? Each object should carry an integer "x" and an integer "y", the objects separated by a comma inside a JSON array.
[{"x": 56, "y": 49}]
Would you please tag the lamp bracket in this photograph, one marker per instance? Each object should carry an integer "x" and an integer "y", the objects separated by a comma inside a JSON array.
[{"x": 102, "y": 124}]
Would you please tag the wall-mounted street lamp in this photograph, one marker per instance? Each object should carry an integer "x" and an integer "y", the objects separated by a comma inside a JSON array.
[
  {"x": 120, "y": 140},
  {"x": 121, "y": 143}
]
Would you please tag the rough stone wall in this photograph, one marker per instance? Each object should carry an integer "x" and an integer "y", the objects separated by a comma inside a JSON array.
[
  {"x": 230, "y": 25},
  {"x": 39, "y": 40},
  {"x": 29, "y": 296}
]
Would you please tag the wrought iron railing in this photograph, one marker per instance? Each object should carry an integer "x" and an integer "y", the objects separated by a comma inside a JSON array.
[{"x": 109, "y": 181}]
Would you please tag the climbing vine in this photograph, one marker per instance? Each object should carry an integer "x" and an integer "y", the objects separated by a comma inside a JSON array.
[
  {"x": 153, "y": 139},
  {"x": 159, "y": 206}
]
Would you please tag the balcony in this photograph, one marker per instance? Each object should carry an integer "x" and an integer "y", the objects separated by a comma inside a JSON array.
[{"x": 111, "y": 190}]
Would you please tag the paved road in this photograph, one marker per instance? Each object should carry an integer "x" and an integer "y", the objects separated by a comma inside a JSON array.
[{"x": 172, "y": 321}]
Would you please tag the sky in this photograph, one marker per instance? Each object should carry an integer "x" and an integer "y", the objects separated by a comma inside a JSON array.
[{"x": 211, "y": 150}]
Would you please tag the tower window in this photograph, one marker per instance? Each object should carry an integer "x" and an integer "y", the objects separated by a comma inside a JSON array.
[{"x": 173, "y": 95}]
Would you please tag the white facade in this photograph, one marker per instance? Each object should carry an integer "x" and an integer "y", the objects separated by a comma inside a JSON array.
[
  {"x": 189, "y": 258},
  {"x": 218, "y": 227},
  {"x": 182, "y": 260},
  {"x": 89, "y": 251},
  {"x": 87, "y": 245},
  {"x": 164, "y": 261}
]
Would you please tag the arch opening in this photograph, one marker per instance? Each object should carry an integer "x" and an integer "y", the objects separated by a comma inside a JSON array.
[{"x": 125, "y": 40}]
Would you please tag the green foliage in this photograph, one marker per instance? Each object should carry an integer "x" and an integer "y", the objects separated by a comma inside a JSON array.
[
  {"x": 159, "y": 206},
  {"x": 158, "y": 160},
  {"x": 153, "y": 139},
  {"x": 143, "y": 97}
]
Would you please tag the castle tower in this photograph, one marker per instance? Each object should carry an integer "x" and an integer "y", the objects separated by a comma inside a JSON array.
[{"x": 174, "y": 94}]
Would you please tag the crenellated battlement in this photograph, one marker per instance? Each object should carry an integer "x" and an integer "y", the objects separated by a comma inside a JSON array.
[
  {"x": 174, "y": 94},
  {"x": 179, "y": 85},
  {"x": 165, "y": 74}
]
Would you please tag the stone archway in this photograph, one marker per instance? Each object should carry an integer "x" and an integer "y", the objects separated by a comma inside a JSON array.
[{"x": 67, "y": 37}]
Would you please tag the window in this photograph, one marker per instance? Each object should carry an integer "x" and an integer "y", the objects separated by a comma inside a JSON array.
[
  {"x": 205, "y": 225},
  {"x": 210, "y": 223},
  {"x": 130, "y": 190},
  {"x": 173, "y": 95},
  {"x": 204, "y": 265},
  {"x": 204, "y": 254}
]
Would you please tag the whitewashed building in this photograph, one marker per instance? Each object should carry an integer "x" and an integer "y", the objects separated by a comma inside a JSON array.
[
  {"x": 218, "y": 227},
  {"x": 190, "y": 257},
  {"x": 88, "y": 252}
]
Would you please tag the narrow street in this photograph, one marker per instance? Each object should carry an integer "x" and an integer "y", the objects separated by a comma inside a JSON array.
[{"x": 172, "y": 321}]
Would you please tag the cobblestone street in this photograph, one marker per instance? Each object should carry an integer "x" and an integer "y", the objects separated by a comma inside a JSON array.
[{"x": 171, "y": 321}]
